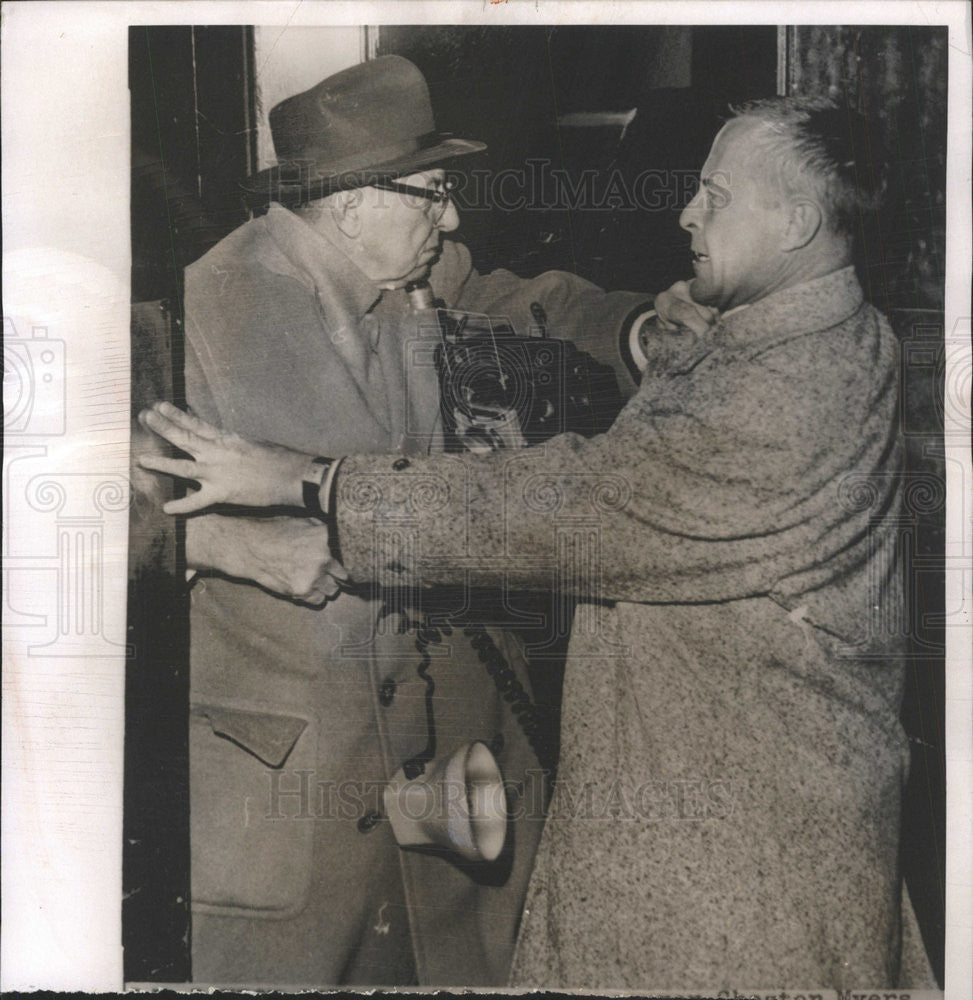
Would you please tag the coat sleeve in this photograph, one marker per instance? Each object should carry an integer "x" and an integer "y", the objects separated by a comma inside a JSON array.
[
  {"x": 594, "y": 320},
  {"x": 685, "y": 498}
]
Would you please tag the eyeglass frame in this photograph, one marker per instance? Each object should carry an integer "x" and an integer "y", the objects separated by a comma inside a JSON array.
[{"x": 438, "y": 196}]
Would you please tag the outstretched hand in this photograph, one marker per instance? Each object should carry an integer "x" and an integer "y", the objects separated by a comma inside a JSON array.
[
  {"x": 675, "y": 307},
  {"x": 229, "y": 469}
]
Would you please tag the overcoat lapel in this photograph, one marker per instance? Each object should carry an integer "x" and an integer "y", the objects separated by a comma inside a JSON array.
[{"x": 344, "y": 294}]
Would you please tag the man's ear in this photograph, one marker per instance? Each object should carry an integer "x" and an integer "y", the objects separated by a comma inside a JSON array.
[
  {"x": 803, "y": 222},
  {"x": 344, "y": 207}
]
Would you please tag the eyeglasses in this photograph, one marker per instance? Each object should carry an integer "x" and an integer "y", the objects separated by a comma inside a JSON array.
[{"x": 439, "y": 196}]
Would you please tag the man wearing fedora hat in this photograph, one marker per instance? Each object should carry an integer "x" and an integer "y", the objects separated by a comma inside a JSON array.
[{"x": 299, "y": 330}]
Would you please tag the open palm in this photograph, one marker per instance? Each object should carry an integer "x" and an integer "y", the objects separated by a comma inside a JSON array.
[{"x": 228, "y": 469}]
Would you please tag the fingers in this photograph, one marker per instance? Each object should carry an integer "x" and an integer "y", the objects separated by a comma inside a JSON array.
[
  {"x": 337, "y": 571},
  {"x": 696, "y": 318},
  {"x": 182, "y": 468},
  {"x": 675, "y": 307},
  {"x": 172, "y": 432},
  {"x": 187, "y": 421},
  {"x": 674, "y": 311},
  {"x": 324, "y": 589},
  {"x": 681, "y": 291},
  {"x": 179, "y": 428},
  {"x": 665, "y": 303},
  {"x": 188, "y": 504}
]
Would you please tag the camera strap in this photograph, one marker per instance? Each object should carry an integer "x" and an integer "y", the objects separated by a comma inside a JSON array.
[{"x": 534, "y": 722}]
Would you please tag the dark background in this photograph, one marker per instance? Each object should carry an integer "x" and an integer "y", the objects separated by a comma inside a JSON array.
[{"x": 521, "y": 90}]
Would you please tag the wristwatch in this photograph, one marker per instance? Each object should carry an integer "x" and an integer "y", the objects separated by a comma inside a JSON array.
[{"x": 316, "y": 482}]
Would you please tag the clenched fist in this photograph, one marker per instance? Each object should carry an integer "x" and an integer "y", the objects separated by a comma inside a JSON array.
[
  {"x": 287, "y": 555},
  {"x": 675, "y": 307}
]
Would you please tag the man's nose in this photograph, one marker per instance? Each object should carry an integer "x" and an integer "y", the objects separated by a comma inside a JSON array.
[
  {"x": 450, "y": 219},
  {"x": 687, "y": 218}
]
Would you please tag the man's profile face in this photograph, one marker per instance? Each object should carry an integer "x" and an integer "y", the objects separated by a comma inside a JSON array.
[
  {"x": 736, "y": 221},
  {"x": 401, "y": 234}
]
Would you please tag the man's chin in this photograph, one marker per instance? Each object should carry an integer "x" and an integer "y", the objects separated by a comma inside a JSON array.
[
  {"x": 422, "y": 271},
  {"x": 416, "y": 274},
  {"x": 703, "y": 293}
]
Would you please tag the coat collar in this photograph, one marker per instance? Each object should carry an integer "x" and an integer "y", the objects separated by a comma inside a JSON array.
[
  {"x": 813, "y": 305},
  {"x": 334, "y": 277},
  {"x": 345, "y": 294},
  {"x": 403, "y": 399}
]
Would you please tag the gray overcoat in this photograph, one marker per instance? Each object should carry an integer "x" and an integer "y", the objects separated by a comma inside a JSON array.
[{"x": 727, "y": 806}]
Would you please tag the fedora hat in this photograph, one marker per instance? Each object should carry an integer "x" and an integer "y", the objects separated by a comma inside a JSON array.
[{"x": 366, "y": 124}]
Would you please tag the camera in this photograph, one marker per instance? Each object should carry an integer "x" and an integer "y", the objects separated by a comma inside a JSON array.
[
  {"x": 500, "y": 389},
  {"x": 33, "y": 382}
]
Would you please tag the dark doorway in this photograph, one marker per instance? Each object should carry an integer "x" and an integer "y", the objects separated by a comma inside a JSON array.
[{"x": 191, "y": 99}]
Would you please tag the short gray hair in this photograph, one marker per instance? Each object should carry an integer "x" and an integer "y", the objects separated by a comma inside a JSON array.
[{"x": 813, "y": 146}]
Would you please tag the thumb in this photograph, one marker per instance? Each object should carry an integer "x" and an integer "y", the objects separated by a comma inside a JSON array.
[
  {"x": 681, "y": 291},
  {"x": 335, "y": 569}
]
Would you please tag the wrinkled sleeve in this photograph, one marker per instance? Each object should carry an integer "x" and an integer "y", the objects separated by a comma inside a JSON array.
[{"x": 686, "y": 498}]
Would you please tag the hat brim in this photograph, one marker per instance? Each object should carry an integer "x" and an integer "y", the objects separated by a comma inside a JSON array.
[{"x": 271, "y": 184}]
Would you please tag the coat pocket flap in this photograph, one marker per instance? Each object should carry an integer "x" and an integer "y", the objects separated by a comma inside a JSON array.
[{"x": 270, "y": 738}]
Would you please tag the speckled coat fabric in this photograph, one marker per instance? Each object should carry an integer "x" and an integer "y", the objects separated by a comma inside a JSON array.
[
  {"x": 299, "y": 715},
  {"x": 727, "y": 806}
]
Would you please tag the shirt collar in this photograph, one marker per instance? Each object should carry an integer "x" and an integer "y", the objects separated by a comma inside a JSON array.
[
  {"x": 812, "y": 305},
  {"x": 337, "y": 281}
]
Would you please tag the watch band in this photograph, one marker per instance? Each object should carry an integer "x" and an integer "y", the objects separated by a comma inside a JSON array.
[{"x": 312, "y": 480}]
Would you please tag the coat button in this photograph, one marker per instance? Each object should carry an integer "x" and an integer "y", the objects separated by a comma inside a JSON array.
[
  {"x": 386, "y": 693},
  {"x": 368, "y": 822},
  {"x": 400, "y": 463}
]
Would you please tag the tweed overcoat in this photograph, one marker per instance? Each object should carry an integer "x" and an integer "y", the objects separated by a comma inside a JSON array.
[
  {"x": 727, "y": 806},
  {"x": 299, "y": 716}
]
